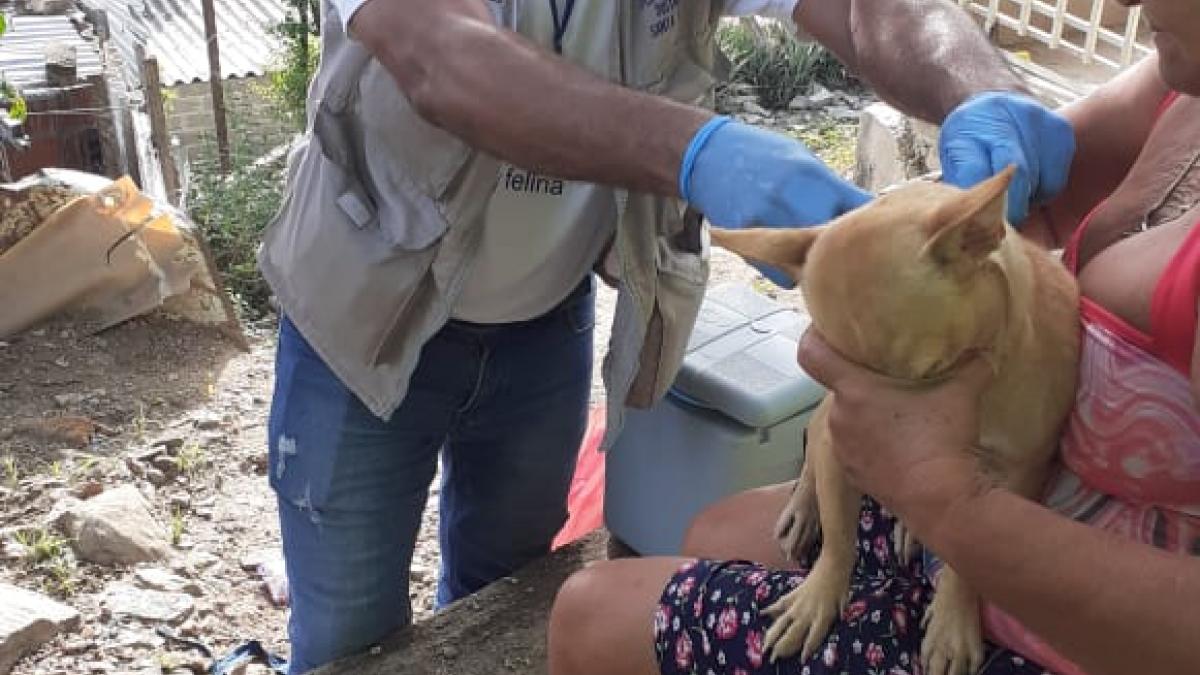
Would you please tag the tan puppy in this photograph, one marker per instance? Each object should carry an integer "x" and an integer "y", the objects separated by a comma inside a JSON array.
[{"x": 910, "y": 285}]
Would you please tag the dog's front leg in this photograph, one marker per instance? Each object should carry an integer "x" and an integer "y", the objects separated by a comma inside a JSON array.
[
  {"x": 799, "y": 525},
  {"x": 953, "y": 643},
  {"x": 803, "y": 616}
]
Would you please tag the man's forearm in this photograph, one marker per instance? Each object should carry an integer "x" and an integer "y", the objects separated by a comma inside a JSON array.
[
  {"x": 505, "y": 96},
  {"x": 923, "y": 56},
  {"x": 1113, "y": 606}
]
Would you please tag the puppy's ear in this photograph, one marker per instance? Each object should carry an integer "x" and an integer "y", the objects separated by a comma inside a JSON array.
[
  {"x": 970, "y": 225},
  {"x": 782, "y": 248}
]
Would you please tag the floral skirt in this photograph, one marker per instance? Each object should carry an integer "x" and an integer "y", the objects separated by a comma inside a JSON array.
[{"x": 710, "y": 622}]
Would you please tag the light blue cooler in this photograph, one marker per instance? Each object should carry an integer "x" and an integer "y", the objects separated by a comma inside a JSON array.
[{"x": 733, "y": 420}]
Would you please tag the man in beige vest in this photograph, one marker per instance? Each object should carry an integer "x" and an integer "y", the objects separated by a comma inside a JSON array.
[{"x": 469, "y": 164}]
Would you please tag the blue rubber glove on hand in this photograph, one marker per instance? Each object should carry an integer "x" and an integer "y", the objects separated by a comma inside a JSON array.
[
  {"x": 994, "y": 129},
  {"x": 740, "y": 176}
]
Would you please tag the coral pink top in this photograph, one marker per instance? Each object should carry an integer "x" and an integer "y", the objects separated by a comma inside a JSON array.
[{"x": 1131, "y": 447}]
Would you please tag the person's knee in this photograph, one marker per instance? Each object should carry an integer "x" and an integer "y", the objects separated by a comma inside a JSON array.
[
  {"x": 707, "y": 530},
  {"x": 574, "y": 636}
]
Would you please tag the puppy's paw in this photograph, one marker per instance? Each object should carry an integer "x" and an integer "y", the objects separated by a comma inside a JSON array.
[
  {"x": 799, "y": 523},
  {"x": 905, "y": 543},
  {"x": 953, "y": 644},
  {"x": 802, "y": 618}
]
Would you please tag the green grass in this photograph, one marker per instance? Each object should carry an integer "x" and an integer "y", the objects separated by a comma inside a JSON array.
[
  {"x": 178, "y": 526},
  {"x": 834, "y": 142},
  {"x": 40, "y": 545},
  {"x": 191, "y": 459},
  {"x": 12, "y": 475}
]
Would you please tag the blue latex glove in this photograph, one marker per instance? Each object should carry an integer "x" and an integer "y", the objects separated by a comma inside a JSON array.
[
  {"x": 740, "y": 176},
  {"x": 991, "y": 130}
]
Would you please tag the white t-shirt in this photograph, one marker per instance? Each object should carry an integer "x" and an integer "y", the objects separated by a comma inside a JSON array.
[{"x": 543, "y": 235}]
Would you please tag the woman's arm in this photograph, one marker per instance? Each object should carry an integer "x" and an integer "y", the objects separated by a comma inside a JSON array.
[
  {"x": 1196, "y": 364},
  {"x": 1113, "y": 606},
  {"x": 1111, "y": 125}
]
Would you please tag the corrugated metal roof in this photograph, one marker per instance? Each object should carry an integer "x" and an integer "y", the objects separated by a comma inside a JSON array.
[
  {"x": 173, "y": 31},
  {"x": 23, "y": 49}
]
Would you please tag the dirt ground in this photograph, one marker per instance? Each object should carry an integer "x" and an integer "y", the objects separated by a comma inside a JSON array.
[{"x": 179, "y": 412}]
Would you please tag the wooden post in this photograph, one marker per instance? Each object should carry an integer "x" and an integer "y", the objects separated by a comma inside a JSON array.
[
  {"x": 133, "y": 162},
  {"x": 109, "y": 147},
  {"x": 216, "y": 81},
  {"x": 152, "y": 83}
]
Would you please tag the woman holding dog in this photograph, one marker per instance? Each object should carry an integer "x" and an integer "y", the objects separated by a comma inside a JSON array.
[{"x": 1103, "y": 578}]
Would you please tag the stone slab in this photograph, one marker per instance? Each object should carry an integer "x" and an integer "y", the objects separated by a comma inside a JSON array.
[
  {"x": 501, "y": 629},
  {"x": 27, "y": 621}
]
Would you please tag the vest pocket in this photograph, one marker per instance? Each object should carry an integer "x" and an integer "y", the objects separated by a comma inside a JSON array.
[{"x": 411, "y": 167}]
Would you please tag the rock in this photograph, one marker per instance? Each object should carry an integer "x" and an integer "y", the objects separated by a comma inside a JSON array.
[
  {"x": 892, "y": 148},
  {"x": 801, "y": 102},
  {"x": 207, "y": 421},
  {"x": 156, "y": 477},
  {"x": 250, "y": 561},
  {"x": 63, "y": 516},
  {"x": 202, "y": 560},
  {"x": 170, "y": 441},
  {"x": 421, "y": 573},
  {"x": 843, "y": 114},
  {"x": 29, "y": 620},
  {"x": 124, "y": 600},
  {"x": 75, "y": 432},
  {"x": 820, "y": 96},
  {"x": 88, "y": 489},
  {"x": 137, "y": 640},
  {"x": 752, "y": 107},
  {"x": 157, "y": 579},
  {"x": 167, "y": 465},
  {"x": 117, "y": 528}
]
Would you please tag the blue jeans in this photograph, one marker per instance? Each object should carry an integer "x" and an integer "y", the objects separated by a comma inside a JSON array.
[{"x": 505, "y": 407}]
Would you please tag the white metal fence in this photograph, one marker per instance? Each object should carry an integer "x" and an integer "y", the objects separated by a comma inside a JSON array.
[{"x": 1061, "y": 24}]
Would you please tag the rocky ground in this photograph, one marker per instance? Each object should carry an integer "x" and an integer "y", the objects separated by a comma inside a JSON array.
[{"x": 135, "y": 514}]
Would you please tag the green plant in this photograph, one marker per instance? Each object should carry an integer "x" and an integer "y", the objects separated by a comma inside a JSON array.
[
  {"x": 140, "y": 423},
  {"x": 40, "y": 545},
  {"x": 232, "y": 211},
  {"x": 167, "y": 662},
  {"x": 12, "y": 475},
  {"x": 296, "y": 63},
  {"x": 56, "y": 469},
  {"x": 60, "y": 577},
  {"x": 12, "y": 105},
  {"x": 776, "y": 65},
  {"x": 178, "y": 526},
  {"x": 191, "y": 459},
  {"x": 834, "y": 142},
  {"x": 86, "y": 464}
]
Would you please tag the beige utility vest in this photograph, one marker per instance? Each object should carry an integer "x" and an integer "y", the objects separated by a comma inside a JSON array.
[{"x": 384, "y": 211}]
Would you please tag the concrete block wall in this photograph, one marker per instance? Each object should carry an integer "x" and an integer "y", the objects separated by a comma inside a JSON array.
[{"x": 250, "y": 116}]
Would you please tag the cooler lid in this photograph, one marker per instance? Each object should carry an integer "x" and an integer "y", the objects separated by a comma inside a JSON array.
[{"x": 741, "y": 359}]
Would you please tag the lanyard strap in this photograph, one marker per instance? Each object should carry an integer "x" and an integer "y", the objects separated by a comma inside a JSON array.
[{"x": 560, "y": 22}]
